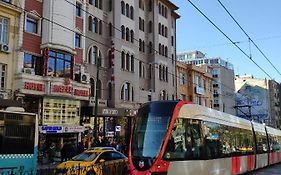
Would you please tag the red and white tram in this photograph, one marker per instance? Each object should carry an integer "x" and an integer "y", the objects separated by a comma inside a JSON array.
[{"x": 176, "y": 138}]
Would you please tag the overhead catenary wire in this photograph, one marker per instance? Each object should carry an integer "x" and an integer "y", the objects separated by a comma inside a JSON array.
[
  {"x": 250, "y": 39},
  {"x": 235, "y": 44}
]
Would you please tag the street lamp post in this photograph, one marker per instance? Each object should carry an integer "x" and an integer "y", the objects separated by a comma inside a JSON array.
[{"x": 96, "y": 99}]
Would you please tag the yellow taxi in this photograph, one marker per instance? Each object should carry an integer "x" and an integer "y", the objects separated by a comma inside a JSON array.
[{"x": 95, "y": 161}]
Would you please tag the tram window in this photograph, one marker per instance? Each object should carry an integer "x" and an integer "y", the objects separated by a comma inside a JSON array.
[
  {"x": 185, "y": 142},
  {"x": 261, "y": 142},
  {"x": 273, "y": 143}
]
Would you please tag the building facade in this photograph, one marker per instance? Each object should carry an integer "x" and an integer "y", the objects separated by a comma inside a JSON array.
[
  {"x": 9, "y": 37},
  {"x": 223, "y": 82},
  {"x": 58, "y": 56},
  {"x": 274, "y": 96},
  {"x": 195, "y": 84},
  {"x": 252, "y": 99}
]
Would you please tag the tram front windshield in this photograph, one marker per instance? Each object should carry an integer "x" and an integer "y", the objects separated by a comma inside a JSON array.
[{"x": 151, "y": 126}]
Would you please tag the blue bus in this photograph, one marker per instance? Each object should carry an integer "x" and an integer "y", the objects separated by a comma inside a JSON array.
[{"x": 18, "y": 143}]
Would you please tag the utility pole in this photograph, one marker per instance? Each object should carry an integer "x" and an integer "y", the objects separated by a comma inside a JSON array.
[{"x": 96, "y": 99}]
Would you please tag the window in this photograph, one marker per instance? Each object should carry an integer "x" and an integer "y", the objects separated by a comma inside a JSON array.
[
  {"x": 34, "y": 62},
  {"x": 122, "y": 7},
  {"x": 94, "y": 55},
  {"x": 132, "y": 63},
  {"x": 4, "y": 32},
  {"x": 100, "y": 27},
  {"x": 140, "y": 68},
  {"x": 132, "y": 12},
  {"x": 132, "y": 36},
  {"x": 110, "y": 5},
  {"x": 150, "y": 5},
  {"x": 172, "y": 40},
  {"x": 150, "y": 26},
  {"x": 60, "y": 64},
  {"x": 127, "y": 34},
  {"x": 127, "y": 10},
  {"x": 100, "y": 4},
  {"x": 31, "y": 25},
  {"x": 77, "y": 40},
  {"x": 123, "y": 32},
  {"x": 163, "y": 95},
  {"x": 126, "y": 92},
  {"x": 95, "y": 25},
  {"x": 8, "y": 1},
  {"x": 123, "y": 60},
  {"x": 110, "y": 29},
  {"x": 128, "y": 61},
  {"x": 182, "y": 79},
  {"x": 78, "y": 9},
  {"x": 166, "y": 32},
  {"x": 166, "y": 51},
  {"x": 3, "y": 76},
  {"x": 150, "y": 47},
  {"x": 90, "y": 23},
  {"x": 159, "y": 28}
]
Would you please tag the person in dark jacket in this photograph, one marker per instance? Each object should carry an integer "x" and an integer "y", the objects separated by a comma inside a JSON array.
[{"x": 80, "y": 148}]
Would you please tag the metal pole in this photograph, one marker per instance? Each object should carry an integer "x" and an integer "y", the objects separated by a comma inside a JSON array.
[{"x": 96, "y": 100}]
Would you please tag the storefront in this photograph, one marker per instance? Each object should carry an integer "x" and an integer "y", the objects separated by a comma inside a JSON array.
[{"x": 111, "y": 122}]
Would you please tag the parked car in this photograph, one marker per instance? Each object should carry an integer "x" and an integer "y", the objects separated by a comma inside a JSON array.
[{"x": 96, "y": 161}]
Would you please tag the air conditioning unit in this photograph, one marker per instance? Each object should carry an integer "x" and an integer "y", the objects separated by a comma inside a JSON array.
[
  {"x": 4, "y": 48},
  {"x": 84, "y": 77},
  {"x": 4, "y": 95},
  {"x": 29, "y": 71}
]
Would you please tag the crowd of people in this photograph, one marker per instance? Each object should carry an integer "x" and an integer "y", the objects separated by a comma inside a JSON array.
[{"x": 71, "y": 149}]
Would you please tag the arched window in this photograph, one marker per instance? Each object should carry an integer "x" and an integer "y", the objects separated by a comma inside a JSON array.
[
  {"x": 162, "y": 32},
  {"x": 150, "y": 26},
  {"x": 167, "y": 74},
  {"x": 128, "y": 61},
  {"x": 95, "y": 3},
  {"x": 150, "y": 71},
  {"x": 142, "y": 23},
  {"x": 94, "y": 55},
  {"x": 163, "y": 95},
  {"x": 160, "y": 72},
  {"x": 127, "y": 34},
  {"x": 95, "y": 25},
  {"x": 159, "y": 28},
  {"x": 159, "y": 49},
  {"x": 165, "y": 12},
  {"x": 140, "y": 45},
  {"x": 123, "y": 60},
  {"x": 109, "y": 91},
  {"x": 150, "y": 47},
  {"x": 150, "y": 5},
  {"x": 166, "y": 31},
  {"x": 162, "y": 50},
  {"x": 163, "y": 73},
  {"x": 100, "y": 4},
  {"x": 132, "y": 63},
  {"x": 100, "y": 27},
  {"x": 92, "y": 84},
  {"x": 166, "y": 51},
  {"x": 143, "y": 46},
  {"x": 132, "y": 12},
  {"x": 127, "y": 10},
  {"x": 159, "y": 8},
  {"x": 99, "y": 89},
  {"x": 122, "y": 7},
  {"x": 132, "y": 93},
  {"x": 90, "y": 23},
  {"x": 123, "y": 32},
  {"x": 132, "y": 36},
  {"x": 162, "y": 10},
  {"x": 126, "y": 91},
  {"x": 110, "y": 29}
]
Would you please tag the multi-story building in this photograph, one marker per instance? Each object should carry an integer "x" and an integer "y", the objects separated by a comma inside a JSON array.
[
  {"x": 252, "y": 99},
  {"x": 67, "y": 52},
  {"x": 195, "y": 84},
  {"x": 223, "y": 82},
  {"x": 133, "y": 45},
  {"x": 274, "y": 101},
  {"x": 9, "y": 36}
]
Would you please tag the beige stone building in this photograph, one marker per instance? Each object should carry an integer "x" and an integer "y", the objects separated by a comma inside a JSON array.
[{"x": 195, "y": 84}]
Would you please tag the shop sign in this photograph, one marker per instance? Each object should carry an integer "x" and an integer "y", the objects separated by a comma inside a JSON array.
[
  {"x": 70, "y": 90},
  {"x": 71, "y": 129},
  {"x": 34, "y": 86},
  {"x": 51, "y": 129},
  {"x": 111, "y": 111},
  {"x": 117, "y": 128}
]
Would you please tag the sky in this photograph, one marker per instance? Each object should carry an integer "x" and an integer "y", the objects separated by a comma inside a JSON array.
[{"x": 261, "y": 19}]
